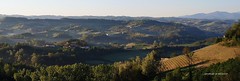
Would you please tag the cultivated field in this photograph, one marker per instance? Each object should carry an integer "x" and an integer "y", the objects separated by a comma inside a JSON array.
[{"x": 202, "y": 58}]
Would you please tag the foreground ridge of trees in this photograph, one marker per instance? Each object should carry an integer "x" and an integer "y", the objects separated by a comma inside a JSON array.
[
  {"x": 137, "y": 69},
  {"x": 62, "y": 53}
]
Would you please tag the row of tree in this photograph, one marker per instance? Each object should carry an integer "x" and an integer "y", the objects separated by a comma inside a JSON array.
[
  {"x": 60, "y": 55},
  {"x": 138, "y": 69}
]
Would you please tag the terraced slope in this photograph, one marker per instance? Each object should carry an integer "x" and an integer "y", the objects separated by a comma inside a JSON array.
[{"x": 202, "y": 57}]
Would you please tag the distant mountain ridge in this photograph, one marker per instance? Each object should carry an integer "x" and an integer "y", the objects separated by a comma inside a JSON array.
[
  {"x": 214, "y": 25},
  {"x": 78, "y": 17},
  {"x": 215, "y": 15},
  {"x": 218, "y": 15},
  {"x": 100, "y": 30}
]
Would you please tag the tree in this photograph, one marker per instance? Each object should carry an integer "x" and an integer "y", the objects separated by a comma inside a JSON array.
[
  {"x": 35, "y": 76},
  {"x": 190, "y": 60},
  {"x": 186, "y": 50},
  {"x": 232, "y": 35},
  {"x": 169, "y": 77},
  {"x": 129, "y": 70},
  {"x": 19, "y": 55},
  {"x": 103, "y": 73},
  {"x": 149, "y": 64},
  {"x": 35, "y": 58},
  {"x": 233, "y": 32},
  {"x": 175, "y": 75},
  {"x": 22, "y": 75},
  {"x": 217, "y": 40},
  {"x": 8, "y": 69}
]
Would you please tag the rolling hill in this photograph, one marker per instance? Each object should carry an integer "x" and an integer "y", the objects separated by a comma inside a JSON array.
[
  {"x": 216, "y": 26},
  {"x": 202, "y": 57},
  {"x": 101, "y": 31}
]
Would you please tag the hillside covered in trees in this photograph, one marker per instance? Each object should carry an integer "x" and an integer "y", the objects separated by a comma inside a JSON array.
[
  {"x": 101, "y": 31},
  {"x": 66, "y": 61}
]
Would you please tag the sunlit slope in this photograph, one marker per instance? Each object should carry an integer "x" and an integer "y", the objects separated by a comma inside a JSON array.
[{"x": 202, "y": 57}]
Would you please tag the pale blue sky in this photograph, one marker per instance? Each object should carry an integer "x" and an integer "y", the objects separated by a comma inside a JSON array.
[{"x": 154, "y": 8}]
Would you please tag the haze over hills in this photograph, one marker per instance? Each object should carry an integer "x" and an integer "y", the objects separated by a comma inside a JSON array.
[
  {"x": 119, "y": 40},
  {"x": 217, "y": 22},
  {"x": 114, "y": 28},
  {"x": 100, "y": 30},
  {"x": 215, "y": 15},
  {"x": 92, "y": 40},
  {"x": 221, "y": 15}
]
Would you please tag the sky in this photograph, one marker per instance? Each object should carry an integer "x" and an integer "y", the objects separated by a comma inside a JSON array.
[{"x": 153, "y": 8}]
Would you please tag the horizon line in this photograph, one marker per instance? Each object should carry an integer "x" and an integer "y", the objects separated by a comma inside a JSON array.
[{"x": 35, "y": 15}]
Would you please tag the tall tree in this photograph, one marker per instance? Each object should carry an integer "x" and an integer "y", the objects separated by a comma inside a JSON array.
[
  {"x": 149, "y": 64},
  {"x": 186, "y": 50},
  {"x": 19, "y": 55},
  {"x": 34, "y": 58}
]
